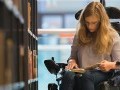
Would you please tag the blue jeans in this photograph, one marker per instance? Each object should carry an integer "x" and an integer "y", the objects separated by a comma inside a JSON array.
[{"x": 88, "y": 81}]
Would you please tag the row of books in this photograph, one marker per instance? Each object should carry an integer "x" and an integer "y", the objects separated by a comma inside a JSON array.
[{"x": 18, "y": 64}]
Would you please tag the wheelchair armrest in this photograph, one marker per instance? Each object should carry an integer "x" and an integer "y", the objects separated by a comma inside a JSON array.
[
  {"x": 62, "y": 65},
  {"x": 53, "y": 67}
]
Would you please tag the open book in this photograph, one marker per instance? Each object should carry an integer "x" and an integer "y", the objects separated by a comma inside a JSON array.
[{"x": 82, "y": 70}]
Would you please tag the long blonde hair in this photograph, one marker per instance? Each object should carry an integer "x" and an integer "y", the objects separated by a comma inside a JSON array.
[{"x": 101, "y": 39}]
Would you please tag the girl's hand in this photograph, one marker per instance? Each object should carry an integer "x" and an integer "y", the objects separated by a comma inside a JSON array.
[
  {"x": 107, "y": 65},
  {"x": 71, "y": 64}
]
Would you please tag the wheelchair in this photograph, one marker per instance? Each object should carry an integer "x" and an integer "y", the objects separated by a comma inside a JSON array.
[{"x": 59, "y": 68}]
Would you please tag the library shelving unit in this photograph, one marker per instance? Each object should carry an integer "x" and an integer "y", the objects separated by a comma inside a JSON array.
[{"x": 18, "y": 45}]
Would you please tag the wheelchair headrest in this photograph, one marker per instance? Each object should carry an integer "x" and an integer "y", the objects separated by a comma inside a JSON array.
[
  {"x": 52, "y": 67},
  {"x": 116, "y": 25}
]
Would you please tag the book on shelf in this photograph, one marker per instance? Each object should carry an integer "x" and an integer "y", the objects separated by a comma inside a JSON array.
[
  {"x": 34, "y": 64},
  {"x": 29, "y": 15},
  {"x": 30, "y": 59},
  {"x": 21, "y": 62},
  {"x": 2, "y": 57},
  {"x": 10, "y": 61}
]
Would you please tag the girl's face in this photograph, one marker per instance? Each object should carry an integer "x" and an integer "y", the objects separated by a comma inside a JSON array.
[{"x": 92, "y": 23}]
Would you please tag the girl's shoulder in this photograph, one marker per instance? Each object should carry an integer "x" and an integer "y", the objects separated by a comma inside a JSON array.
[{"x": 114, "y": 34}]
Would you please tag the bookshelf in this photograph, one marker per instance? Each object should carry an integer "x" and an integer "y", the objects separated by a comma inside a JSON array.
[{"x": 18, "y": 45}]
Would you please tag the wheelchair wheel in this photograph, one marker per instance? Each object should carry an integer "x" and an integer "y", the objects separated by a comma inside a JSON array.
[{"x": 52, "y": 86}]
